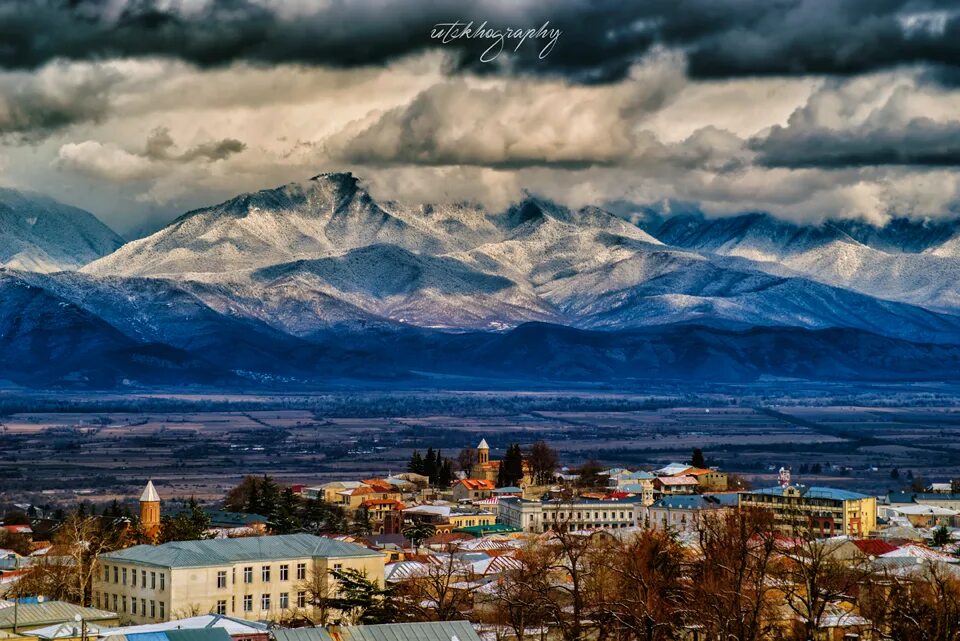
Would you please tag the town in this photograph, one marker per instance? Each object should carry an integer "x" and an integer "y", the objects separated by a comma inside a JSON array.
[{"x": 477, "y": 547}]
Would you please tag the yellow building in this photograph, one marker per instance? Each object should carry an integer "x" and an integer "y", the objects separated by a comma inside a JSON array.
[
  {"x": 253, "y": 577},
  {"x": 822, "y": 511}
]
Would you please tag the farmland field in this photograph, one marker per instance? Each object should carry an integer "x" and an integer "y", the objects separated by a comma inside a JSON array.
[{"x": 57, "y": 449}]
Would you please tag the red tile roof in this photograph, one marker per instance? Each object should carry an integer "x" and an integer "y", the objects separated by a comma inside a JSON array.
[
  {"x": 478, "y": 484},
  {"x": 874, "y": 547}
]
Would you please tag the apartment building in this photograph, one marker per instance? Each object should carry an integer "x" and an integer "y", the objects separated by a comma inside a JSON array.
[
  {"x": 685, "y": 513},
  {"x": 575, "y": 514},
  {"x": 822, "y": 511},
  {"x": 253, "y": 577}
]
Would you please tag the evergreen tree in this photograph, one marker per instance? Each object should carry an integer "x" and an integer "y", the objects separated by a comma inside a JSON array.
[
  {"x": 189, "y": 525},
  {"x": 284, "y": 518},
  {"x": 430, "y": 466},
  {"x": 416, "y": 463},
  {"x": 269, "y": 495},
  {"x": 941, "y": 536},
  {"x": 511, "y": 467},
  {"x": 254, "y": 503},
  {"x": 697, "y": 459},
  {"x": 361, "y": 601},
  {"x": 445, "y": 476}
]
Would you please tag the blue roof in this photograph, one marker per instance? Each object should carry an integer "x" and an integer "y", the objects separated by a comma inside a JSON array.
[
  {"x": 508, "y": 490},
  {"x": 692, "y": 502},
  {"x": 816, "y": 492},
  {"x": 212, "y": 552}
]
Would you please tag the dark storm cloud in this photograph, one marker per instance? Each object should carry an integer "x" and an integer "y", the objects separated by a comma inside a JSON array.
[
  {"x": 34, "y": 106},
  {"x": 919, "y": 142},
  {"x": 600, "y": 38},
  {"x": 160, "y": 146}
]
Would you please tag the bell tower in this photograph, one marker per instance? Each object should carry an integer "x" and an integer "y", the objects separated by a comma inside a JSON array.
[
  {"x": 150, "y": 511},
  {"x": 483, "y": 452}
]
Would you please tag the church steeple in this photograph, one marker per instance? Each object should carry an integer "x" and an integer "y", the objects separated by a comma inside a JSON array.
[
  {"x": 150, "y": 511},
  {"x": 483, "y": 452}
]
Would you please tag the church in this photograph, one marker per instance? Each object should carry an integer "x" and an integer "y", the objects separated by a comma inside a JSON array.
[{"x": 486, "y": 470}]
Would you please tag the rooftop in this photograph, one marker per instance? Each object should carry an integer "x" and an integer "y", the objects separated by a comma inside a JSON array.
[
  {"x": 149, "y": 494},
  {"x": 230, "y": 624},
  {"x": 50, "y": 612},
  {"x": 814, "y": 492},
  {"x": 213, "y": 552}
]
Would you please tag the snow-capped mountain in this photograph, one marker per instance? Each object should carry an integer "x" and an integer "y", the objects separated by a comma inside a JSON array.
[
  {"x": 319, "y": 279},
  {"x": 912, "y": 262},
  {"x": 40, "y": 234}
]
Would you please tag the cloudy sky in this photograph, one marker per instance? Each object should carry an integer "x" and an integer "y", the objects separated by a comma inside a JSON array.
[{"x": 139, "y": 110}]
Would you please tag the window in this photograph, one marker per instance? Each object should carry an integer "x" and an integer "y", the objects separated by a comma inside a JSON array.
[
  {"x": 221, "y": 579},
  {"x": 123, "y": 603},
  {"x": 116, "y": 573},
  {"x": 163, "y": 610},
  {"x": 222, "y": 606},
  {"x": 153, "y": 580},
  {"x": 133, "y": 578},
  {"x": 301, "y": 599},
  {"x": 248, "y": 603},
  {"x": 284, "y": 600},
  {"x": 284, "y": 572},
  {"x": 143, "y": 607},
  {"x": 265, "y": 573},
  {"x": 153, "y": 609},
  {"x": 337, "y": 567},
  {"x": 143, "y": 577},
  {"x": 233, "y": 604},
  {"x": 106, "y": 574},
  {"x": 133, "y": 606},
  {"x": 264, "y": 601},
  {"x": 96, "y": 598},
  {"x": 123, "y": 575},
  {"x": 233, "y": 575},
  {"x": 301, "y": 571},
  {"x": 163, "y": 581},
  {"x": 248, "y": 574},
  {"x": 114, "y": 602}
]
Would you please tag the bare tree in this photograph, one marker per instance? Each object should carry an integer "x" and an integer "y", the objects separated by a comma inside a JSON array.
[
  {"x": 442, "y": 592},
  {"x": 730, "y": 577},
  {"x": 813, "y": 576},
  {"x": 543, "y": 461}
]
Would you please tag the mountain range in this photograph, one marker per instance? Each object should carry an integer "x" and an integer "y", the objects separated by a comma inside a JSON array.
[{"x": 317, "y": 280}]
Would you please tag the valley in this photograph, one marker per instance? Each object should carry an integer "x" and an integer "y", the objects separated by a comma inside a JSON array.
[{"x": 64, "y": 448}]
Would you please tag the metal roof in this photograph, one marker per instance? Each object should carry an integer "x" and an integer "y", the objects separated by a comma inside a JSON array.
[
  {"x": 49, "y": 612},
  {"x": 149, "y": 494},
  {"x": 432, "y": 631},
  {"x": 301, "y": 634},
  {"x": 198, "y": 634},
  {"x": 816, "y": 492},
  {"x": 231, "y": 624},
  {"x": 213, "y": 552}
]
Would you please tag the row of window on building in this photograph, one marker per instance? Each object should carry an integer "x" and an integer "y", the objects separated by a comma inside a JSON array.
[
  {"x": 266, "y": 602},
  {"x": 266, "y": 572},
  {"x": 120, "y": 577},
  {"x": 119, "y": 602}
]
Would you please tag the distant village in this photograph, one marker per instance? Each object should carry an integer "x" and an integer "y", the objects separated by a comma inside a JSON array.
[{"x": 474, "y": 547}]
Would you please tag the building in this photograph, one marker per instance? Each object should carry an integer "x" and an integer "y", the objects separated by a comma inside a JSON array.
[
  {"x": 473, "y": 489},
  {"x": 251, "y": 577},
  {"x": 34, "y": 616},
  {"x": 824, "y": 511},
  {"x": 446, "y": 518},
  {"x": 576, "y": 514},
  {"x": 431, "y": 631},
  {"x": 236, "y": 629},
  {"x": 676, "y": 484},
  {"x": 684, "y": 513},
  {"x": 150, "y": 511},
  {"x": 708, "y": 480}
]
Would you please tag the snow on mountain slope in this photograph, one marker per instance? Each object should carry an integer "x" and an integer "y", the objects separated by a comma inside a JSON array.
[
  {"x": 926, "y": 273},
  {"x": 376, "y": 283},
  {"x": 40, "y": 234},
  {"x": 328, "y": 214}
]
